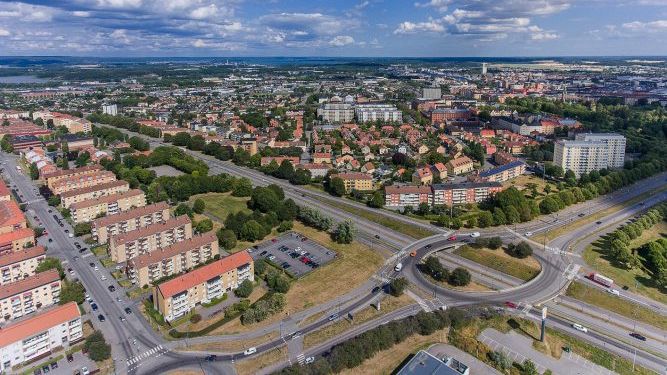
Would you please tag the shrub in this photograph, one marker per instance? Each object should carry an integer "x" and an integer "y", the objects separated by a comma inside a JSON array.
[
  {"x": 195, "y": 318},
  {"x": 521, "y": 250},
  {"x": 459, "y": 277},
  {"x": 244, "y": 289},
  {"x": 397, "y": 286}
]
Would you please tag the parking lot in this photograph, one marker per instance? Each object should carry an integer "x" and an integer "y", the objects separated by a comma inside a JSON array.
[{"x": 294, "y": 253}]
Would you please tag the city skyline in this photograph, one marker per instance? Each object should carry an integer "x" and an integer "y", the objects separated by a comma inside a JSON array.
[{"x": 373, "y": 28}]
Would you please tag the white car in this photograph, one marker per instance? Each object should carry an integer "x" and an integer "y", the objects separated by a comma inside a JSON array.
[
  {"x": 474, "y": 234},
  {"x": 579, "y": 327},
  {"x": 528, "y": 234},
  {"x": 103, "y": 278},
  {"x": 84, "y": 371},
  {"x": 614, "y": 292},
  {"x": 309, "y": 360},
  {"x": 250, "y": 351}
]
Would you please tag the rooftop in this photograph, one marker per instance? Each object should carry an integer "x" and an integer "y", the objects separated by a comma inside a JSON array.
[
  {"x": 424, "y": 363},
  {"x": 106, "y": 199},
  {"x": 10, "y": 213},
  {"x": 200, "y": 275},
  {"x": 38, "y": 323},
  {"x": 502, "y": 168},
  {"x": 467, "y": 185},
  {"x": 149, "y": 230},
  {"x": 15, "y": 235},
  {"x": 130, "y": 214},
  {"x": 19, "y": 256},
  {"x": 90, "y": 189},
  {"x": 59, "y": 173},
  {"x": 179, "y": 247},
  {"x": 30, "y": 283}
]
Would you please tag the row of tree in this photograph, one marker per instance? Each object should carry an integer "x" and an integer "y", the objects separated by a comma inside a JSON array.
[
  {"x": 123, "y": 122},
  {"x": 432, "y": 267}
]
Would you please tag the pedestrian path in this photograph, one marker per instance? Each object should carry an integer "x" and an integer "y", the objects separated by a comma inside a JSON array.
[
  {"x": 134, "y": 362},
  {"x": 301, "y": 359}
]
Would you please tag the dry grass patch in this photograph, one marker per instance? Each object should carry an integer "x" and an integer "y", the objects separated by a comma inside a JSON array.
[
  {"x": 524, "y": 269},
  {"x": 232, "y": 345},
  {"x": 386, "y": 361},
  {"x": 312, "y": 319},
  {"x": 524, "y": 182},
  {"x": 255, "y": 364}
]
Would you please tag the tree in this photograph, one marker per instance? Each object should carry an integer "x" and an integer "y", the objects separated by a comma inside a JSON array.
[
  {"x": 199, "y": 206},
  {"x": 97, "y": 347},
  {"x": 181, "y": 139},
  {"x": 344, "y": 232},
  {"x": 528, "y": 368},
  {"x": 336, "y": 186},
  {"x": 204, "y": 225},
  {"x": 377, "y": 200},
  {"x": 263, "y": 199},
  {"x": 49, "y": 263},
  {"x": 244, "y": 289},
  {"x": 72, "y": 291},
  {"x": 485, "y": 219},
  {"x": 251, "y": 231},
  {"x": 54, "y": 200},
  {"x": 520, "y": 250},
  {"x": 226, "y": 238},
  {"x": 434, "y": 268},
  {"x": 398, "y": 286},
  {"x": 82, "y": 229},
  {"x": 285, "y": 171},
  {"x": 183, "y": 209},
  {"x": 242, "y": 188},
  {"x": 460, "y": 277},
  {"x": 495, "y": 242},
  {"x": 300, "y": 177},
  {"x": 34, "y": 171},
  {"x": 500, "y": 360},
  {"x": 277, "y": 282},
  {"x": 83, "y": 159}
]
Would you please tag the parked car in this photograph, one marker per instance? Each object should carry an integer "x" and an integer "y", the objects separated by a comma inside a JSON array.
[
  {"x": 309, "y": 360},
  {"x": 54, "y": 365},
  {"x": 93, "y": 306},
  {"x": 84, "y": 370},
  {"x": 128, "y": 310},
  {"x": 112, "y": 288},
  {"x": 101, "y": 318},
  {"x": 70, "y": 358}
]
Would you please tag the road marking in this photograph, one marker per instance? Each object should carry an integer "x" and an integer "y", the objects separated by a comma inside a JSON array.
[
  {"x": 154, "y": 351},
  {"x": 301, "y": 358}
]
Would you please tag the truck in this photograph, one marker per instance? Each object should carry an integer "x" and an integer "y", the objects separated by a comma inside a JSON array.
[
  {"x": 601, "y": 279},
  {"x": 399, "y": 267}
]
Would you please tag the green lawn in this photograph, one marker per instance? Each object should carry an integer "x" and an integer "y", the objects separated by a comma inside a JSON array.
[
  {"x": 524, "y": 269},
  {"x": 222, "y": 204},
  {"x": 99, "y": 251},
  {"x": 597, "y": 297}
]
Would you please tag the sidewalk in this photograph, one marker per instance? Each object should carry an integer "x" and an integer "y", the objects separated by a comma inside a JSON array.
[{"x": 519, "y": 348}]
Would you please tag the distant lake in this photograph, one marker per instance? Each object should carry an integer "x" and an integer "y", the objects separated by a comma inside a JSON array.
[{"x": 22, "y": 79}]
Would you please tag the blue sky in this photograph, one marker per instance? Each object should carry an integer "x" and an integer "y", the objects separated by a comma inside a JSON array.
[{"x": 333, "y": 28}]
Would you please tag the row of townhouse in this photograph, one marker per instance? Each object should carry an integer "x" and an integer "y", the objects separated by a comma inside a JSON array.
[
  {"x": 68, "y": 174},
  {"x": 21, "y": 264},
  {"x": 83, "y": 194},
  {"x": 126, "y": 246},
  {"x": 440, "y": 194},
  {"x": 171, "y": 260},
  {"x": 29, "y": 295},
  {"x": 105, "y": 227},
  {"x": 83, "y": 212},
  {"x": 38, "y": 336},
  {"x": 176, "y": 297}
]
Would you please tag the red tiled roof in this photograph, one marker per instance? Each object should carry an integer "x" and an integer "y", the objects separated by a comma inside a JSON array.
[
  {"x": 200, "y": 275},
  {"x": 30, "y": 283},
  {"x": 130, "y": 214},
  {"x": 179, "y": 247},
  {"x": 15, "y": 235},
  {"x": 94, "y": 167},
  {"x": 4, "y": 190},
  {"x": 19, "y": 256},
  {"x": 10, "y": 214},
  {"x": 38, "y": 323},
  {"x": 151, "y": 229},
  {"x": 90, "y": 189},
  {"x": 106, "y": 199}
]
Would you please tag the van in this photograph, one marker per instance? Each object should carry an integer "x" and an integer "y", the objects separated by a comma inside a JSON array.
[
  {"x": 250, "y": 351},
  {"x": 398, "y": 267}
]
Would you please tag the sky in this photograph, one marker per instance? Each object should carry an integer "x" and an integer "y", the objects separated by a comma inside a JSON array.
[{"x": 438, "y": 28}]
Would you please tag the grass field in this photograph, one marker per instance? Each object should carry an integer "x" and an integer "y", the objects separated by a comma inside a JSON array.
[
  {"x": 597, "y": 297},
  {"x": 524, "y": 182},
  {"x": 232, "y": 346},
  {"x": 654, "y": 233},
  {"x": 330, "y": 331},
  {"x": 524, "y": 269},
  {"x": 222, "y": 204},
  {"x": 255, "y": 364},
  {"x": 550, "y": 235}
]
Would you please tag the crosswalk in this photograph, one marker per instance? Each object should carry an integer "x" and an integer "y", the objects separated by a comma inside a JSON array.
[
  {"x": 301, "y": 359},
  {"x": 136, "y": 360},
  {"x": 571, "y": 271}
]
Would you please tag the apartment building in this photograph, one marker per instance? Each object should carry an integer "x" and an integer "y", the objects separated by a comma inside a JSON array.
[
  {"x": 72, "y": 123},
  {"x": 11, "y": 217},
  {"x": 40, "y": 335},
  {"x": 29, "y": 295},
  {"x": 355, "y": 181},
  {"x": 126, "y": 246},
  {"x": 104, "y": 227},
  {"x": 174, "y": 298},
  {"x": 86, "y": 211},
  {"x": 336, "y": 112},
  {"x": 21, "y": 264},
  {"x": 460, "y": 165},
  {"x": 614, "y": 145},
  {"x": 404, "y": 196},
  {"x": 505, "y": 172},
  {"x": 16, "y": 240},
  {"x": 68, "y": 174},
  {"x": 93, "y": 192},
  {"x": 581, "y": 156},
  {"x": 76, "y": 183},
  {"x": 462, "y": 193},
  {"x": 174, "y": 259},
  {"x": 374, "y": 112},
  {"x": 5, "y": 194},
  {"x": 422, "y": 176}
]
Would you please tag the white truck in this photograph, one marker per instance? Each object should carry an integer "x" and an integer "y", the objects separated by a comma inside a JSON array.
[{"x": 601, "y": 279}]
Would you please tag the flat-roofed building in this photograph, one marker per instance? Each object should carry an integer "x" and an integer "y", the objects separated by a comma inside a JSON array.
[
  {"x": 581, "y": 156},
  {"x": 84, "y": 181},
  {"x": 374, "y": 112},
  {"x": 11, "y": 217},
  {"x": 40, "y": 335},
  {"x": 29, "y": 295},
  {"x": 125, "y": 246},
  {"x": 175, "y": 297},
  {"x": 336, "y": 112},
  {"x": 505, "y": 172},
  {"x": 93, "y": 192},
  {"x": 52, "y": 178},
  {"x": 83, "y": 212},
  {"x": 16, "y": 240},
  {"x": 130, "y": 220},
  {"x": 355, "y": 181},
  {"x": 21, "y": 264},
  {"x": 462, "y": 193},
  {"x": 403, "y": 196},
  {"x": 174, "y": 259}
]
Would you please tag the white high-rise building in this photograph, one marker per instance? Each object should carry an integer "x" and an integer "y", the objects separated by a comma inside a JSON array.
[
  {"x": 590, "y": 152},
  {"x": 110, "y": 109},
  {"x": 430, "y": 93},
  {"x": 336, "y": 112},
  {"x": 374, "y": 112},
  {"x": 484, "y": 68}
]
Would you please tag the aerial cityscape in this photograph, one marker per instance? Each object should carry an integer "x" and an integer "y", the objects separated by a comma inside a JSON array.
[{"x": 230, "y": 187}]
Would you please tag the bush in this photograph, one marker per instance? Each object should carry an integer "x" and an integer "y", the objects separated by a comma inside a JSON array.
[
  {"x": 244, "y": 289},
  {"x": 277, "y": 282},
  {"x": 199, "y": 206},
  {"x": 344, "y": 232},
  {"x": 500, "y": 360},
  {"x": 82, "y": 229},
  {"x": 495, "y": 242},
  {"x": 264, "y": 308},
  {"x": 397, "y": 286},
  {"x": 226, "y": 238},
  {"x": 521, "y": 250},
  {"x": 97, "y": 347},
  {"x": 435, "y": 269},
  {"x": 460, "y": 277}
]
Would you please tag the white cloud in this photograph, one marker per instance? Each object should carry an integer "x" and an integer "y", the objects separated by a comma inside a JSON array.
[
  {"x": 651, "y": 26},
  {"x": 411, "y": 27},
  {"x": 119, "y": 3},
  {"x": 544, "y": 36},
  {"x": 341, "y": 40},
  {"x": 210, "y": 11},
  {"x": 199, "y": 43},
  {"x": 4, "y": 32},
  {"x": 80, "y": 13},
  {"x": 440, "y": 5}
]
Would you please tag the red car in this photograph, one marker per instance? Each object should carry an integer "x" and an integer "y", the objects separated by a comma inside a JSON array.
[
  {"x": 511, "y": 304},
  {"x": 452, "y": 238},
  {"x": 274, "y": 240}
]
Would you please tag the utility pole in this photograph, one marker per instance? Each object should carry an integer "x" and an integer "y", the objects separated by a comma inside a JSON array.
[{"x": 544, "y": 323}]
